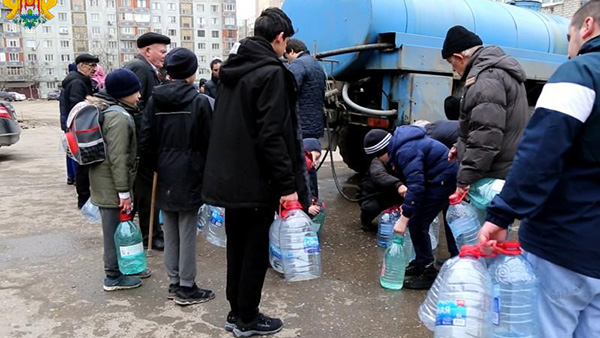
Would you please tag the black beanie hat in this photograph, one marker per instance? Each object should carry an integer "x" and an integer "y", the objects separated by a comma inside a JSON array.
[
  {"x": 458, "y": 39},
  {"x": 122, "y": 82},
  {"x": 376, "y": 142},
  {"x": 181, "y": 63},
  {"x": 452, "y": 108}
]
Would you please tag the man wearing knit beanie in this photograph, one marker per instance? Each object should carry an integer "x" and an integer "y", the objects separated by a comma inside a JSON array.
[
  {"x": 111, "y": 181},
  {"x": 494, "y": 107},
  {"x": 174, "y": 142}
]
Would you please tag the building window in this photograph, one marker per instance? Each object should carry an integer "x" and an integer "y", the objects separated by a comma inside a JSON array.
[
  {"x": 94, "y": 3},
  {"x": 125, "y": 3},
  {"x": 142, "y": 17},
  {"x": 126, "y": 16},
  {"x": 110, "y": 3},
  {"x": 201, "y": 33},
  {"x": 214, "y": 34},
  {"x": 142, "y": 3},
  {"x": 62, "y": 16},
  {"x": 173, "y": 45},
  {"x": 112, "y": 58},
  {"x": 214, "y": 8},
  {"x": 13, "y": 56},
  {"x": 66, "y": 57},
  {"x": 2, "y": 59},
  {"x": 127, "y": 44},
  {"x": 171, "y": 6},
  {"x": 15, "y": 71},
  {"x": 51, "y": 85},
  {"x": 111, "y": 17},
  {"x": 230, "y": 33},
  {"x": 201, "y": 45},
  {"x": 47, "y": 43},
  {"x": 156, "y": 5},
  {"x": 187, "y": 38},
  {"x": 172, "y": 19},
  {"x": 200, "y": 8},
  {"x": 96, "y": 30},
  {"x": 50, "y": 71},
  {"x": 11, "y": 27},
  {"x": 112, "y": 44},
  {"x": 95, "y": 17},
  {"x": 49, "y": 57},
  {"x": 64, "y": 43},
  {"x": 230, "y": 21},
  {"x": 215, "y": 46},
  {"x": 127, "y": 57},
  {"x": 61, "y": 2},
  {"x": 551, "y": 2},
  {"x": 127, "y": 30},
  {"x": 215, "y": 21},
  {"x": 112, "y": 31},
  {"x": 47, "y": 29},
  {"x": 13, "y": 43},
  {"x": 96, "y": 44},
  {"x": 28, "y": 43},
  {"x": 142, "y": 31},
  {"x": 32, "y": 57},
  {"x": 171, "y": 32},
  {"x": 201, "y": 21},
  {"x": 229, "y": 7},
  {"x": 202, "y": 58},
  {"x": 156, "y": 19}
]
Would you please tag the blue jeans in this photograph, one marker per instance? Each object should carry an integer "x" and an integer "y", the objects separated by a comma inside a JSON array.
[
  {"x": 569, "y": 302},
  {"x": 71, "y": 168}
]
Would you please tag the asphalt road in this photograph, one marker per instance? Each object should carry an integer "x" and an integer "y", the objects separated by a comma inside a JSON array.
[{"x": 51, "y": 265}]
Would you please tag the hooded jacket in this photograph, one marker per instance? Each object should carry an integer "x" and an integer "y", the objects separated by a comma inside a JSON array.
[
  {"x": 554, "y": 184},
  {"x": 174, "y": 141},
  {"x": 211, "y": 88},
  {"x": 76, "y": 87},
  {"x": 254, "y": 156},
  {"x": 311, "y": 80},
  {"x": 494, "y": 112},
  {"x": 147, "y": 76},
  {"x": 116, "y": 173},
  {"x": 423, "y": 164}
]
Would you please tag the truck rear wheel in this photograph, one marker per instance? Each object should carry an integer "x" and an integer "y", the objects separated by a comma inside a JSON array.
[{"x": 352, "y": 149}]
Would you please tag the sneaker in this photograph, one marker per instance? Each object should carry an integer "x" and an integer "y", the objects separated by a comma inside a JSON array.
[
  {"x": 144, "y": 274},
  {"x": 424, "y": 280},
  {"x": 413, "y": 269},
  {"x": 173, "y": 288},
  {"x": 70, "y": 181},
  {"x": 192, "y": 295},
  {"x": 231, "y": 322},
  {"x": 260, "y": 326},
  {"x": 121, "y": 283}
]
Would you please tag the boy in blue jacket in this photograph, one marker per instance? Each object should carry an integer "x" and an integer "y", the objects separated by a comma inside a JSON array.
[{"x": 423, "y": 164}]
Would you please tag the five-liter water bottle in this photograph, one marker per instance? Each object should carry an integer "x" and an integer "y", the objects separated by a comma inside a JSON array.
[
  {"x": 215, "y": 229},
  {"x": 203, "y": 218},
  {"x": 428, "y": 309},
  {"x": 394, "y": 265},
  {"x": 434, "y": 233},
  {"x": 299, "y": 245},
  {"x": 386, "y": 227},
  {"x": 464, "y": 301},
  {"x": 91, "y": 211},
  {"x": 515, "y": 288},
  {"x": 130, "y": 247},
  {"x": 275, "y": 257},
  {"x": 463, "y": 221}
]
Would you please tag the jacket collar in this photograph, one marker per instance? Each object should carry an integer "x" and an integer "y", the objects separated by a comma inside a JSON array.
[
  {"x": 590, "y": 46},
  {"x": 151, "y": 66}
]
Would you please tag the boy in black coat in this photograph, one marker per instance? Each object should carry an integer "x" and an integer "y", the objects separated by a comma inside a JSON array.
[
  {"x": 174, "y": 140},
  {"x": 254, "y": 162}
]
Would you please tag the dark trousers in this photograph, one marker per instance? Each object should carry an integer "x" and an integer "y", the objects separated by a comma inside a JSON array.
[
  {"x": 110, "y": 222},
  {"x": 142, "y": 202},
  {"x": 419, "y": 225},
  {"x": 451, "y": 243},
  {"x": 313, "y": 184},
  {"x": 82, "y": 184},
  {"x": 71, "y": 168},
  {"x": 372, "y": 207},
  {"x": 247, "y": 258}
]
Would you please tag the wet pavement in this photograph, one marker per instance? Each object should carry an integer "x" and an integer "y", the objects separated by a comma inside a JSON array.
[{"x": 51, "y": 265}]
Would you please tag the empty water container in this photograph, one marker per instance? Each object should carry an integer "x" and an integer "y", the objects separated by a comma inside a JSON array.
[
  {"x": 215, "y": 229},
  {"x": 91, "y": 211},
  {"x": 299, "y": 245},
  {"x": 428, "y": 309},
  {"x": 463, "y": 221},
  {"x": 203, "y": 218},
  {"x": 515, "y": 289},
  {"x": 274, "y": 245},
  {"x": 386, "y": 227}
]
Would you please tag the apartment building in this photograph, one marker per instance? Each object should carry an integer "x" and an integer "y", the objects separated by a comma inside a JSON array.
[
  {"x": 35, "y": 61},
  {"x": 564, "y": 8}
]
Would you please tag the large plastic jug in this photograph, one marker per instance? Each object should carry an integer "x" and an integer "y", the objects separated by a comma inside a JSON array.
[
  {"x": 215, "y": 229},
  {"x": 275, "y": 257},
  {"x": 203, "y": 218},
  {"x": 394, "y": 265},
  {"x": 130, "y": 247},
  {"x": 464, "y": 302},
  {"x": 515, "y": 290},
  {"x": 299, "y": 245},
  {"x": 386, "y": 226},
  {"x": 428, "y": 309},
  {"x": 91, "y": 211},
  {"x": 463, "y": 221}
]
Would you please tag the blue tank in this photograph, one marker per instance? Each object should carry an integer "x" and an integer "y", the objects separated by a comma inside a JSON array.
[{"x": 537, "y": 38}]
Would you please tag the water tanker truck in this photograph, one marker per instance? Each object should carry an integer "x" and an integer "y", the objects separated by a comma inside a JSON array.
[{"x": 383, "y": 57}]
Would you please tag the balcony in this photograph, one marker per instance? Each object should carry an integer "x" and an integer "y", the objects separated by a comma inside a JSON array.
[
  {"x": 12, "y": 78},
  {"x": 127, "y": 36},
  {"x": 14, "y": 63},
  {"x": 12, "y": 35},
  {"x": 14, "y": 49}
]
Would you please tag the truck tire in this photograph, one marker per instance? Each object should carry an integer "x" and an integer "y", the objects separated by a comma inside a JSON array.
[{"x": 352, "y": 149}]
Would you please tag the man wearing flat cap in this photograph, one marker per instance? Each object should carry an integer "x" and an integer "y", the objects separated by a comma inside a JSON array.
[
  {"x": 146, "y": 65},
  {"x": 76, "y": 87},
  {"x": 493, "y": 111}
]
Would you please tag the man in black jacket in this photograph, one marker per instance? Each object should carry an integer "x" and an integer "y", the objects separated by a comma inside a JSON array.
[
  {"x": 211, "y": 88},
  {"x": 174, "y": 140},
  {"x": 147, "y": 65},
  {"x": 254, "y": 162},
  {"x": 76, "y": 87}
]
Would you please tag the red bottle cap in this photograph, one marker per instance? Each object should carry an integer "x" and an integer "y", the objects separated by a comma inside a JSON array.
[
  {"x": 125, "y": 216},
  {"x": 509, "y": 248},
  {"x": 456, "y": 198},
  {"x": 288, "y": 206}
]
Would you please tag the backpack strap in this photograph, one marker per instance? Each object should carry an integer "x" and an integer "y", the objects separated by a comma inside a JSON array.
[{"x": 119, "y": 109}]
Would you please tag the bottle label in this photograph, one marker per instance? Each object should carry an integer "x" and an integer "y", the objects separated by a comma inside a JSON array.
[
  {"x": 275, "y": 251},
  {"x": 217, "y": 218},
  {"x": 311, "y": 244},
  {"x": 131, "y": 250},
  {"x": 451, "y": 313},
  {"x": 496, "y": 306}
]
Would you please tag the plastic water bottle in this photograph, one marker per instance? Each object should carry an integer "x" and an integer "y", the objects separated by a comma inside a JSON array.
[
  {"x": 394, "y": 265},
  {"x": 215, "y": 229},
  {"x": 91, "y": 212},
  {"x": 515, "y": 288},
  {"x": 319, "y": 219},
  {"x": 203, "y": 218},
  {"x": 386, "y": 227},
  {"x": 275, "y": 257},
  {"x": 409, "y": 249},
  {"x": 463, "y": 221},
  {"x": 299, "y": 245},
  {"x": 463, "y": 307},
  {"x": 434, "y": 233},
  {"x": 428, "y": 309},
  {"x": 130, "y": 247}
]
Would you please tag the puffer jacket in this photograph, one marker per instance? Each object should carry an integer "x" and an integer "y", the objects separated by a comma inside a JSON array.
[
  {"x": 311, "y": 81},
  {"x": 117, "y": 173},
  {"x": 422, "y": 163},
  {"x": 494, "y": 113},
  {"x": 76, "y": 87}
]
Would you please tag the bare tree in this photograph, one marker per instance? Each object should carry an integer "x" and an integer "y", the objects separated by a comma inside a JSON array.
[{"x": 101, "y": 49}]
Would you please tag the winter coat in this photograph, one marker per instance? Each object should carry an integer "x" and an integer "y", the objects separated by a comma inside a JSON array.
[
  {"x": 174, "y": 140},
  {"x": 554, "y": 184},
  {"x": 147, "y": 76},
  {"x": 311, "y": 80},
  {"x": 116, "y": 173},
  {"x": 443, "y": 131},
  {"x": 76, "y": 88},
  {"x": 379, "y": 177},
  {"x": 211, "y": 88},
  {"x": 254, "y": 155},
  {"x": 494, "y": 112},
  {"x": 423, "y": 164}
]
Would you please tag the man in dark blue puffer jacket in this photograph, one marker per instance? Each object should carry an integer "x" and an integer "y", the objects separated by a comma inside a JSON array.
[{"x": 422, "y": 163}]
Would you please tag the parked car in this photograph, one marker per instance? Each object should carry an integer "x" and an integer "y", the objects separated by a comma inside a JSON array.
[
  {"x": 53, "y": 95},
  {"x": 18, "y": 96},
  {"x": 10, "y": 132},
  {"x": 6, "y": 96}
]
